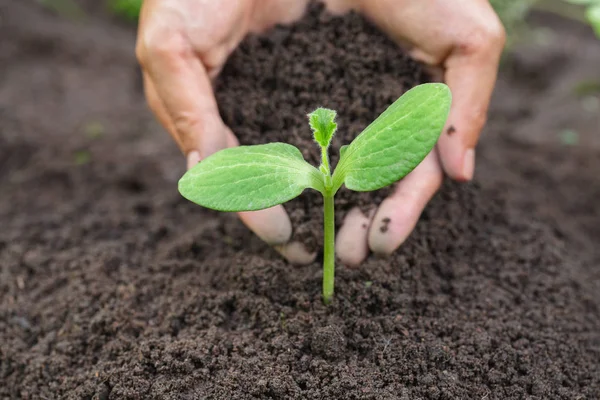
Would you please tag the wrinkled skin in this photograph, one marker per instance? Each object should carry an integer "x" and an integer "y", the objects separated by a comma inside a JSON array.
[{"x": 183, "y": 44}]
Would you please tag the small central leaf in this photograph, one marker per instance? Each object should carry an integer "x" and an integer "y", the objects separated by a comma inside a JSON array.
[
  {"x": 249, "y": 178},
  {"x": 322, "y": 122}
]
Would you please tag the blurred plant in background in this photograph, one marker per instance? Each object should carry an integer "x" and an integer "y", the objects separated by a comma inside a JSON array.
[
  {"x": 70, "y": 9},
  {"x": 128, "y": 9},
  {"x": 592, "y": 12},
  {"x": 513, "y": 12}
]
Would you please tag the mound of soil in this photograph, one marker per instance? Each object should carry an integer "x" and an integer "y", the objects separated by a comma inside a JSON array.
[
  {"x": 114, "y": 287},
  {"x": 344, "y": 63}
]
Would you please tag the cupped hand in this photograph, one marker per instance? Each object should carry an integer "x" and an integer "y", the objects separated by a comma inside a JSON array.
[
  {"x": 464, "y": 39},
  {"x": 181, "y": 46}
]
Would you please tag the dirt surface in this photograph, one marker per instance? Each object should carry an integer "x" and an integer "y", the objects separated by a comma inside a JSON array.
[{"x": 114, "y": 287}]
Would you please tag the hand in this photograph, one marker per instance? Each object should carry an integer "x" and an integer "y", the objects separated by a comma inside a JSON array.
[
  {"x": 181, "y": 45},
  {"x": 465, "y": 39}
]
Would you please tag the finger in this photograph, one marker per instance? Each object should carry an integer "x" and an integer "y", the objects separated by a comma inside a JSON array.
[
  {"x": 339, "y": 7},
  {"x": 273, "y": 12},
  {"x": 158, "y": 108},
  {"x": 295, "y": 253},
  {"x": 271, "y": 225},
  {"x": 193, "y": 158},
  {"x": 181, "y": 82},
  {"x": 398, "y": 214},
  {"x": 351, "y": 242},
  {"x": 470, "y": 72},
  {"x": 274, "y": 227}
]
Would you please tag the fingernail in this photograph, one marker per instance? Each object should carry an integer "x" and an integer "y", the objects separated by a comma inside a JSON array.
[
  {"x": 193, "y": 158},
  {"x": 469, "y": 164}
]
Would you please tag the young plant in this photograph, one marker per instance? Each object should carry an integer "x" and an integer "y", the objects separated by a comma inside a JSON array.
[{"x": 249, "y": 178}]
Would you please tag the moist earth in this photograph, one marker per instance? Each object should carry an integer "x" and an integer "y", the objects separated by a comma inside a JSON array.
[{"x": 114, "y": 287}]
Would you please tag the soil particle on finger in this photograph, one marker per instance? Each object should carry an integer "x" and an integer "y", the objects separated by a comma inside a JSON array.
[{"x": 385, "y": 222}]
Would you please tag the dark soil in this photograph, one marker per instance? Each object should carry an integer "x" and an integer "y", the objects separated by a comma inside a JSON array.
[{"x": 114, "y": 287}]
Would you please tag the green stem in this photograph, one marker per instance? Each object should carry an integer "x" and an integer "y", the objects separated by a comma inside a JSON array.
[
  {"x": 329, "y": 248},
  {"x": 325, "y": 159}
]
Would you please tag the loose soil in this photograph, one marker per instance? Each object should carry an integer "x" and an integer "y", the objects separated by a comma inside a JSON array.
[{"x": 114, "y": 287}]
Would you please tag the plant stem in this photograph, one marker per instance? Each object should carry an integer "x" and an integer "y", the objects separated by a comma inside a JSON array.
[
  {"x": 325, "y": 160},
  {"x": 329, "y": 248}
]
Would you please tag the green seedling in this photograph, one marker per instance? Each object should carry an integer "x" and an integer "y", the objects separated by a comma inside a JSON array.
[{"x": 250, "y": 178}]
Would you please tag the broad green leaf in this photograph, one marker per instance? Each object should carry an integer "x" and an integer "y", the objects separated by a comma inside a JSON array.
[
  {"x": 249, "y": 178},
  {"x": 322, "y": 122},
  {"x": 397, "y": 141},
  {"x": 343, "y": 150}
]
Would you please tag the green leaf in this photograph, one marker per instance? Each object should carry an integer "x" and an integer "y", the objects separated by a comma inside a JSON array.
[
  {"x": 249, "y": 178},
  {"x": 322, "y": 122},
  {"x": 397, "y": 141},
  {"x": 343, "y": 150}
]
